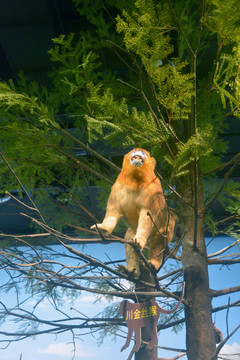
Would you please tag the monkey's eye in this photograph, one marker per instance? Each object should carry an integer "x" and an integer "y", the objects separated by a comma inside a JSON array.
[
  {"x": 138, "y": 158},
  {"x": 139, "y": 153}
]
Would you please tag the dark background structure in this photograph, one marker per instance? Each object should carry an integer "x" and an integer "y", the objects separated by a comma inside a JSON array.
[{"x": 27, "y": 28}]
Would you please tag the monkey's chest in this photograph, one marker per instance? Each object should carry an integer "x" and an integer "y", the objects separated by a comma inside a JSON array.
[{"x": 130, "y": 204}]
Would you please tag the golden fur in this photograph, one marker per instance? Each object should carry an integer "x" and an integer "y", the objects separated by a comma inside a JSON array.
[{"x": 137, "y": 192}]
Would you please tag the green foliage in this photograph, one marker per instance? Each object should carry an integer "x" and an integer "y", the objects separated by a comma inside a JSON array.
[
  {"x": 146, "y": 31},
  {"x": 77, "y": 65},
  {"x": 196, "y": 148},
  {"x": 230, "y": 198},
  {"x": 147, "y": 34},
  {"x": 13, "y": 103},
  {"x": 223, "y": 18},
  {"x": 101, "y": 16},
  {"x": 136, "y": 128},
  {"x": 152, "y": 106},
  {"x": 226, "y": 80}
]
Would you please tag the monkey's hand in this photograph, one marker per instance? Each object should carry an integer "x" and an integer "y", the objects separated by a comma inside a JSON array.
[
  {"x": 101, "y": 227},
  {"x": 140, "y": 241}
]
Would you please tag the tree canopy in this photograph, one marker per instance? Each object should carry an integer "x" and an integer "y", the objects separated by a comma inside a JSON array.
[{"x": 158, "y": 75}]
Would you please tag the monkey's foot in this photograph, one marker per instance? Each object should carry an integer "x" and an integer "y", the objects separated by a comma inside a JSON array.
[
  {"x": 147, "y": 266},
  {"x": 131, "y": 273},
  {"x": 155, "y": 265}
]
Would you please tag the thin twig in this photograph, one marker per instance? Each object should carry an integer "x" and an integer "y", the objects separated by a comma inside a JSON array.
[
  {"x": 227, "y": 316},
  {"x": 89, "y": 150},
  {"x": 235, "y": 158},
  {"x": 174, "y": 191},
  {"x": 21, "y": 185},
  {"x": 225, "y": 178},
  {"x": 180, "y": 28}
]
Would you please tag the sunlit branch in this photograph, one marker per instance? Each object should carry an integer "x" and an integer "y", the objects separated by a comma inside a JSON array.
[{"x": 236, "y": 242}]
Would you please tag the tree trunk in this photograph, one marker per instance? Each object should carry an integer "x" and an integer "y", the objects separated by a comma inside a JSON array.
[
  {"x": 200, "y": 340},
  {"x": 144, "y": 353}
]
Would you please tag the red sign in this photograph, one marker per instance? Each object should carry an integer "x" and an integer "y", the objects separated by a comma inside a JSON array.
[{"x": 138, "y": 315}]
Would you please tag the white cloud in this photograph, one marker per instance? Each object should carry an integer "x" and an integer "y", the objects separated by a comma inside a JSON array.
[
  {"x": 65, "y": 350},
  {"x": 85, "y": 300},
  {"x": 231, "y": 351},
  {"x": 44, "y": 304}
]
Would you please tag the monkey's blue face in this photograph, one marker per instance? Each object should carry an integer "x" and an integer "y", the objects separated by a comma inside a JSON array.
[{"x": 138, "y": 158}]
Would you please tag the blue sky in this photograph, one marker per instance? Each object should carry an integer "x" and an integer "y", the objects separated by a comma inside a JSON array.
[{"x": 50, "y": 347}]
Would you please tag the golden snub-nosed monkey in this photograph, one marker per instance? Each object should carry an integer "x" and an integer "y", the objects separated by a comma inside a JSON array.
[{"x": 137, "y": 192}]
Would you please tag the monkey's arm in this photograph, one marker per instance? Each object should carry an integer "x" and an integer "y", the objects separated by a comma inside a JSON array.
[
  {"x": 150, "y": 202},
  {"x": 112, "y": 215},
  {"x": 144, "y": 228}
]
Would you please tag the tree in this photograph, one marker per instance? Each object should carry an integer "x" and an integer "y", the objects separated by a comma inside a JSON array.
[{"x": 171, "y": 100}]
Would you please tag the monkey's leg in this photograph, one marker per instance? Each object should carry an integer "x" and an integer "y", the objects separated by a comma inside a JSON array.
[
  {"x": 159, "y": 243},
  {"x": 144, "y": 228},
  {"x": 156, "y": 250},
  {"x": 131, "y": 256}
]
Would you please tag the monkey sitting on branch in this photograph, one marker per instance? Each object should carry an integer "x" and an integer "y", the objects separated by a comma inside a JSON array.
[{"x": 137, "y": 196}]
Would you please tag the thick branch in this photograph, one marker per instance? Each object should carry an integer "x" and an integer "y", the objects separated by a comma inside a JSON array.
[
  {"x": 216, "y": 293},
  {"x": 223, "y": 261}
]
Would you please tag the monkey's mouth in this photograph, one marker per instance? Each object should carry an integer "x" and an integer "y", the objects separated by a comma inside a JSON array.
[{"x": 138, "y": 158}]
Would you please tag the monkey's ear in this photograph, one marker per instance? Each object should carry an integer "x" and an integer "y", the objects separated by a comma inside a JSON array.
[{"x": 154, "y": 162}]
